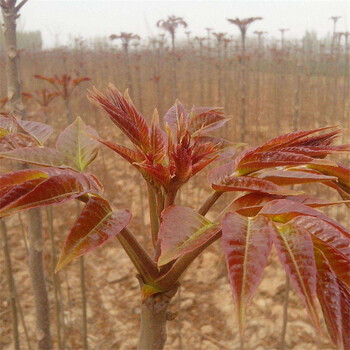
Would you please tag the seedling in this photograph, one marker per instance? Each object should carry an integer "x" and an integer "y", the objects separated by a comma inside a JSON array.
[{"x": 270, "y": 210}]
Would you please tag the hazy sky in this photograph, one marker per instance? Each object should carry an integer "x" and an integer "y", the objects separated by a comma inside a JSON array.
[{"x": 89, "y": 18}]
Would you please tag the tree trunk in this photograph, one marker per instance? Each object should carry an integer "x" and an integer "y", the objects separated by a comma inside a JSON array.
[
  {"x": 13, "y": 82},
  {"x": 154, "y": 316},
  {"x": 38, "y": 279},
  {"x": 11, "y": 285},
  {"x": 243, "y": 92},
  {"x": 68, "y": 111},
  {"x": 10, "y": 15},
  {"x": 175, "y": 93}
]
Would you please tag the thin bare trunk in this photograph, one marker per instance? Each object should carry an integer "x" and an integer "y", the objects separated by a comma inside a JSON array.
[
  {"x": 69, "y": 115},
  {"x": 139, "y": 83},
  {"x": 297, "y": 98},
  {"x": 201, "y": 75},
  {"x": 56, "y": 283},
  {"x": 173, "y": 54},
  {"x": 38, "y": 279},
  {"x": 84, "y": 334},
  {"x": 11, "y": 285},
  {"x": 189, "y": 69},
  {"x": 257, "y": 92},
  {"x": 285, "y": 314},
  {"x": 219, "y": 72},
  {"x": 243, "y": 92},
  {"x": 84, "y": 304},
  {"x": 10, "y": 14},
  {"x": 128, "y": 69}
]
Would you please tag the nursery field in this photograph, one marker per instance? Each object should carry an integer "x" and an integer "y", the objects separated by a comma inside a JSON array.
[{"x": 267, "y": 87}]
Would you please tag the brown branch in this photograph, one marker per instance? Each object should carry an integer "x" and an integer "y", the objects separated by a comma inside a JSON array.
[
  {"x": 209, "y": 202},
  {"x": 144, "y": 264},
  {"x": 20, "y": 5}
]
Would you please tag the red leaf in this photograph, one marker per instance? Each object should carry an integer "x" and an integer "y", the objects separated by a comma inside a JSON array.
[
  {"x": 174, "y": 114},
  {"x": 295, "y": 138},
  {"x": 10, "y": 194},
  {"x": 246, "y": 183},
  {"x": 318, "y": 140},
  {"x": 247, "y": 245},
  {"x": 39, "y": 131},
  {"x": 339, "y": 263},
  {"x": 181, "y": 231},
  {"x": 251, "y": 203},
  {"x": 338, "y": 170},
  {"x": 38, "y": 156},
  {"x": 124, "y": 114},
  {"x": 20, "y": 176},
  {"x": 295, "y": 250},
  {"x": 288, "y": 177},
  {"x": 15, "y": 140},
  {"x": 317, "y": 151},
  {"x": 222, "y": 174},
  {"x": 334, "y": 298},
  {"x": 128, "y": 154},
  {"x": 326, "y": 233},
  {"x": 158, "y": 140},
  {"x": 262, "y": 160},
  {"x": 155, "y": 173},
  {"x": 283, "y": 210},
  {"x": 206, "y": 120},
  {"x": 54, "y": 190},
  {"x": 96, "y": 225}
]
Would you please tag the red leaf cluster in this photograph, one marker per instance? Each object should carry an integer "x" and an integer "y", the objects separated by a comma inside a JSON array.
[
  {"x": 168, "y": 159},
  {"x": 313, "y": 248}
]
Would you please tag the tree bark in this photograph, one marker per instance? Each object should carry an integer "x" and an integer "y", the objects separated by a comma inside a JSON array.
[
  {"x": 243, "y": 92},
  {"x": 154, "y": 316},
  {"x": 10, "y": 15},
  {"x": 11, "y": 285},
  {"x": 38, "y": 280},
  {"x": 173, "y": 54}
]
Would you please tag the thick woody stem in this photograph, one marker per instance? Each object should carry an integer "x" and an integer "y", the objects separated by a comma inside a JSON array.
[{"x": 154, "y": 316}]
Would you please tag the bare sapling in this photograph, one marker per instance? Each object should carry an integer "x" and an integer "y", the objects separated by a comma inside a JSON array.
[
  {"x": 170, "y": 25},
  {"x": 243, "y": 25},
  {"x": 126, "y": 38},
  {"x": 10, "y": 10}
]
